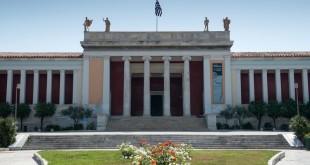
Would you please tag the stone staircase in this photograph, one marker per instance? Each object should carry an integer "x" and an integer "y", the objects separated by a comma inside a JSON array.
[
  {"x": 42, "y": 142},
  {"x": 140, "y": 123}
]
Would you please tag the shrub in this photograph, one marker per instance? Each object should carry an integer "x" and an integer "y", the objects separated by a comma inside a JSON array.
[
  {"x": 258, "y": 109},
  {"x": 305, "y": 110},
  {"x": 226, "y": 126},
  {"x": 268, "y": 126},
  {"x": 247, "y": 125},
  {"x": 77, "y": 114},
  {"x": 44, "y": 110},
  {"x": 284, "y": 127},
  {"x": 227, "y": 113},
  {"x": 289, "y": 108},
  {"x": 5, "y": 110},
  {"x": 7, "y": 132},
  {"x": 235, "y": 127},
  {"x": 240, "y": 113},
  {"x": 52, "y": 126},
  {"x": 219, "y": 126},
  {"x": 23, "y": 110},
  {"x": 300, "y": 126},
  {"x": 91, "y": 126}
]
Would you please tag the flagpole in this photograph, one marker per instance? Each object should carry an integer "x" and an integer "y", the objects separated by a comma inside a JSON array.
[{"x": 156, "y": 23}]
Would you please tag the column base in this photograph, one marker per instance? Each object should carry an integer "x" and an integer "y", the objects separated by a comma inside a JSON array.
[
  {"x": 211, "y": 121},
  {"x": 102, "y": 121}
]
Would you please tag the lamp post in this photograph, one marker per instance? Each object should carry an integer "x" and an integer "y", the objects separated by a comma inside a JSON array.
[
  {"x": 296, "y": 88},
  {"x": 17, "y": 87}
]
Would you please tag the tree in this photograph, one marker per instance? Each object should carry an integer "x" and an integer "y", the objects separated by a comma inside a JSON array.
[
  {"x": 274, "y": 110},
  {"x": 5, "y": 110},
  {"x": 227, "y": 113},
  {"x": 300, "y": 126},
  {"x": 44, "y": 110},
  {"x": 258, "y": 109},
  {"x": 240, "y": 113},
  {"x": 77, "y": 113},
  {"x": 289, "y": 108},
  {"x": 23, "y": 110}
]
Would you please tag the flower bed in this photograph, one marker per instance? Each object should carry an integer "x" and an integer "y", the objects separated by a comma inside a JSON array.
[{"x": 166, "y": 153}]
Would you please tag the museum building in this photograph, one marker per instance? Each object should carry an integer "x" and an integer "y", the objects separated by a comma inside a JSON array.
[{"x": 154, "y": 74}]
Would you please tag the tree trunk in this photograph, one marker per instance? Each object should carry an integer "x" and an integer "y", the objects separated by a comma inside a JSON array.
[
  {"x": 42, "y": 123},
  {"x": 274, "y": 123},
  {"x": 259, "y": 123}
]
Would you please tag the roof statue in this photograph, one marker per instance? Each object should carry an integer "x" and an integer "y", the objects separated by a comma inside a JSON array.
[
  {"x": 206, "y": 22},
  {"x": 87, "y": 24},
  {"x": 107, "y": 24},
  {"x": 226, "y": 23}
]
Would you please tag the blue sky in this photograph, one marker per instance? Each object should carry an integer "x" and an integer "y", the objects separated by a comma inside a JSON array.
[{"x": 56, "y": 25}]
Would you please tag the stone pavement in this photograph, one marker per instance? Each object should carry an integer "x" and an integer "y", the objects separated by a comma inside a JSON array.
[
  {"x": 295, "y": 157},
  {"x": 17, "y": 157}
]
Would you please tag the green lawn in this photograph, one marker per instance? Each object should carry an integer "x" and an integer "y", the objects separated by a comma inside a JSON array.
[{"x": 200, "y": 157}]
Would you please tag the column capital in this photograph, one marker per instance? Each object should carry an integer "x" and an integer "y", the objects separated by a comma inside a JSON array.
[
  {"x": 278, "y": 69},
  {"x": 106, "y": 57},
  {"x": 305, "y": 69},
  {"x": 186, "y": 58},
  {"x": 166, "y": 58},
  {"x": 238, "y": 70},
  {"x": 75, "y": 70},
  {"x": 62, "y": 71},
  {"x": 207, "y": 57},
  {"x": 126, "y": 58},
  {"x": 36, "y": 71},
  {"x": 86, "y": 58},
  {"x": 264, "y": 70},
  {"x": 149, "y": 58}
]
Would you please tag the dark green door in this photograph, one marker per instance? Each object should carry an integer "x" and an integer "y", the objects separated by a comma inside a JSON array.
[{"x": 157, "y": 105}]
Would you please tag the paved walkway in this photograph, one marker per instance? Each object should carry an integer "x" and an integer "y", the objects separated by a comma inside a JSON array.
[
  {"x": 295, "y": 157},
  {"x": 17, "y": 158}
]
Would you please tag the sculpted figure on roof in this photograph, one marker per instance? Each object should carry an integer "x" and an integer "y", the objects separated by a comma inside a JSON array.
[
  {"x": 206, "y": 24},
  {"x": 87, "y": 24},
  {"x": 226, "y": 23},
  {"x": 107, "y": 24}
]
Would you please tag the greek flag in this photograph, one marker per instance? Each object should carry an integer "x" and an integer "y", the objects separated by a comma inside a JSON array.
[{"x": 158, "y": 10}]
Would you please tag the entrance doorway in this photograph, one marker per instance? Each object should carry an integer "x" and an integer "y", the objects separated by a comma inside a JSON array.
[{"x": 156, "y": 105}]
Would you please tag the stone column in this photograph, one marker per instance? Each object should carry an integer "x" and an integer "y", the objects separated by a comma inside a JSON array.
[
  {"x": 75, "y": 89},
  {"x": 291, "y": 78},
  {"x": 9, "y": 83},
  {"x": 22, "y": 86},
  {"x": 35, "y": 87},
  {"x": 106, "y": 86},
  {"x": 251, "y": 81},
  {"x": 85, "y": 86},
  {"x": 49, "y": 87},
  {"x": 146, "y": 97},
  {"x": 207, "y": 84},
  {"x": 167, "y": 86},
  {"x": 238, "y": 81},
  {"x": 265, "y": 86},
  {"x": 305, "y": 88},
  {"x": 62, "y": 87},
  {"x": 278, "y": 85},
  {"x": 228, "y": 95},
  {"x": 186, "y": 87},
  {"x": 127, "y": 87}
]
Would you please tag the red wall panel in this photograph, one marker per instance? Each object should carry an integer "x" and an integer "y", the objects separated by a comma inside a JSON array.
[
  {"x": 55, "y": 88},
  {"x": 258, "y": 86},
  {"x": 285, "y": 87},
  {"x": 3, "y": 86},
  {"x": 42, "y": 87},
  {"x": 68, "y": 88},
  {"x": 136, "y": 96},
  {"x": 196, "y": 87},
  {"x": 271, "y": 81},
  {"x": 29, "y": 89},
  {"x": 157, "y": 84},
  {"x": 117, "y": 87},
  {"x": 176, "y": 96},
  {"x": 245, "y": 91}
]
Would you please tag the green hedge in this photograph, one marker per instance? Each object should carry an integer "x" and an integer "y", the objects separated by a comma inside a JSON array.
[{"x": 7, "y": 132}]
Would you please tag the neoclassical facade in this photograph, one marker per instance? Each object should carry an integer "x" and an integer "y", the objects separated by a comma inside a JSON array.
[{"x": 154, "y": 74}]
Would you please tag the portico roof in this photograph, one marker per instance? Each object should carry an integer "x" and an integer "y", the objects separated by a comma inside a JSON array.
[
  {"x": 40, "y": 55},
  {"x": 269, "y": 54}
]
